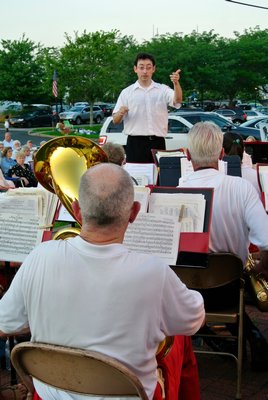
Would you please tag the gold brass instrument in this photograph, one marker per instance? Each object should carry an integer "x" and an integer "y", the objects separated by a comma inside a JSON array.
[
  {"x": 59, "y": 165},
  {"x": 259, "y": 285}
]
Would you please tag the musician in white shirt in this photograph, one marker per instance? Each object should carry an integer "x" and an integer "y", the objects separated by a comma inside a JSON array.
[
  {"x": 238, "y": 216},
  {"x": 92, "y": 292}
]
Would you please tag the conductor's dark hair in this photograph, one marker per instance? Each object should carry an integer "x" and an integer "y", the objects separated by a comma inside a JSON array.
[{"x": 144, "y": 56}]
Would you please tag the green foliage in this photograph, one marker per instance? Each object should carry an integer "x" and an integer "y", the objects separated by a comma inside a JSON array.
[
  {"x": 97, "y": 66},
  {"x": 20, "y": 71}
]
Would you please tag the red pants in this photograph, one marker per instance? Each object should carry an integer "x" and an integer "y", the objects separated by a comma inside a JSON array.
[{"x": 180, "y": 372}]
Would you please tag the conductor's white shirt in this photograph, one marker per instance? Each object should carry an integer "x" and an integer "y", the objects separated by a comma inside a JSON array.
[{"x": 147, "y": 109}]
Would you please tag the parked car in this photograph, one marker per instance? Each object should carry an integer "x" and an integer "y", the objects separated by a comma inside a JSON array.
[
  {"x": 255, "y": 122},
  {"x": 235, "y": 115},
  {"x": 178, "y": 128},
  {"x": 81, "y": 114},
  {"x": 60, "y": 108},
  {"x": 252, "y": 114},
  {"x": 32, "y": 117},
  {"x": 81, "y": 103},
  {"x": 263, "y": 110},
  {"x": 107, "y": 108}
]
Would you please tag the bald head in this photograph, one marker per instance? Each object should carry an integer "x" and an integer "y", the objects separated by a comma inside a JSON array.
[{"x": 106, "y": 195}]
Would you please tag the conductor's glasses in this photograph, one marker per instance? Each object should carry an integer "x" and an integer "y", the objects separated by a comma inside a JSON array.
[{"x": 143, "y": 68}]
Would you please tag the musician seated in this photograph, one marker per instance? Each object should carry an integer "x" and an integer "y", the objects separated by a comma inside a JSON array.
[
  {"x": 105, "y": 297},
  {"x": 238, "y": 216}
]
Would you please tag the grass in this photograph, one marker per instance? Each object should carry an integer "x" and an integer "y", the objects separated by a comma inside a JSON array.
[{"x": 49, "y": 131}]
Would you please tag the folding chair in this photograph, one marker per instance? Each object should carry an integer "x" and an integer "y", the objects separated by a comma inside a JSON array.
[
  {"x": 75, "y": 370},
  {"x": 221, "y": 280}
]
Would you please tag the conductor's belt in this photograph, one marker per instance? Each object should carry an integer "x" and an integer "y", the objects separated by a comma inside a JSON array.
[{"x": 142, "y": 137}]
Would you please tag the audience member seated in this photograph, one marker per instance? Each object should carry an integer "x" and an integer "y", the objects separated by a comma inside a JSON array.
[
  {"x": 234, "y": 146},
  {"x": 8, "y": 141},
  {"x": 121, "y": 303},
  {"x": 115, "y": 152},
  {"x": 16, "y": 148},
  {"x": 23, "y": 171},
  {"x": 60, "y": 127},
  {"x": 4, "y": 183},
  {"x": 238, "y": 216},
  {"x": 28, "y": 155},
  {"x": 7, "y": 161}
]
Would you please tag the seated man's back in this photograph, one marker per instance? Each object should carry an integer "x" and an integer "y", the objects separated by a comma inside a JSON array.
[{"x": 92, "y": 292}]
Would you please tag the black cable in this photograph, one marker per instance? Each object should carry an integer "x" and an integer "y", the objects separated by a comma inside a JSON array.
[{"x": 245, "y": 4}]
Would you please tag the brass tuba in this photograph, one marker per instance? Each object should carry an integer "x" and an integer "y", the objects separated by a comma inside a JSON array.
[
  {"x": 59, "y": 165},
  {"x": 258, "y": 284}
]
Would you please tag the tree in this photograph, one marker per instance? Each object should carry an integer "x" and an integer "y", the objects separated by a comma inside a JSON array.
[
  {"x": 90, "y": 66},
  {"x": 20, "y": 71}
]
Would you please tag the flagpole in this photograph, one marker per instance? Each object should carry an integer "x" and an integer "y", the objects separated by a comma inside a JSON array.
[
  {"x": 55, "y": 88},
  {"x": 55, "y": 116}
]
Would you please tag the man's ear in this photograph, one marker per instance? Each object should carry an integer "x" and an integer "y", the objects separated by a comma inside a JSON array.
[
  {"x": 188, "y": 155},
  {"x": 77, "y": 211},
  {"x": 222, "y": 154},
  {"x": 134, "y": 211}
]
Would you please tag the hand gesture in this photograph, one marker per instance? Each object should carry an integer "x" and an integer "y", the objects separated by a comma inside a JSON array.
[
  {"x": 123, "y": 110},
  {"x": 175, "y": 76}
]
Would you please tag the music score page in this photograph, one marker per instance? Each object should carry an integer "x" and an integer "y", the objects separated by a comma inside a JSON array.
[
  {"x": 154, "y": 234},
  {"x": 24, "y": 216}
]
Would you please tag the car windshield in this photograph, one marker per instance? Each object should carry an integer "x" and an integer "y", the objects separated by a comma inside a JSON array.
[
  {"x": 76, "y": 108},
  {"x": 221, "y": 122}
]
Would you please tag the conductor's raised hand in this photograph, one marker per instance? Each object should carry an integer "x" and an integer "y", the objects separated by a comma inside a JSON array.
[
  {"x": 175, "y": 76},
  {"x": 123, "y": 110}
]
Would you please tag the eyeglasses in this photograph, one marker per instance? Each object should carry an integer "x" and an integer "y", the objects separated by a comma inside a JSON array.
[{"x": 147, "y": 68}]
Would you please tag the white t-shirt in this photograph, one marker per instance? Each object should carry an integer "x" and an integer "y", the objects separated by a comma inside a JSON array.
[
  {"x": 148, "y": 112},
  {"x": 102, "y": 298},
  {"x": 238, "y": 216},
  {"x": 250, "y": 174}
]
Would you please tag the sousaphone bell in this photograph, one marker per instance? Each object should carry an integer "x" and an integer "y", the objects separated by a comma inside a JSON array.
[{"x": 59, "y": 165}]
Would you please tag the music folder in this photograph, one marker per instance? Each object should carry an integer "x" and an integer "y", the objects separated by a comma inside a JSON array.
[{"x": 193, "y": 246}]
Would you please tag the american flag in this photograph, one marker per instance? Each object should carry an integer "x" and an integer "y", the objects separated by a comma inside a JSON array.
[{"x": 55, "y": 84}]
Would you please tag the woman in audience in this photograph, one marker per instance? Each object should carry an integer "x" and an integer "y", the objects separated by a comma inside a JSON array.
[
  {"x": 23, "y": 171},
  {"x": 5, "y": 184},
  {"x": 7, "y": 161},
  {"x": 233, "y": 145}
]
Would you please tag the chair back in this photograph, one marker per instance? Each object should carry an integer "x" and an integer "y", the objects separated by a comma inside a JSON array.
[
  {"x": 75, "y": 370},
  {"x": 222, "y": 269}
]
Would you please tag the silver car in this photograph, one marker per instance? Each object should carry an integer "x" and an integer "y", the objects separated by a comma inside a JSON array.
[{"x": 81, "y": 114}]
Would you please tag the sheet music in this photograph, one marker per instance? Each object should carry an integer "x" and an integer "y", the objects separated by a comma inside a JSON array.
[
  {"x": 142, "y": 194},
  {"x": 28, "y": 205},
  {"x": 160, "y": 154},
  {"x": 154, "y": 234},
  {"x": 137, "y": 170},
  {"x": 64, "y": 215},
  {"x": 187, "y": 167},
  {"x": 20, "y": 233},
  {"x": 25, "y": 213},
  {"x": 170, "y": 204}
]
